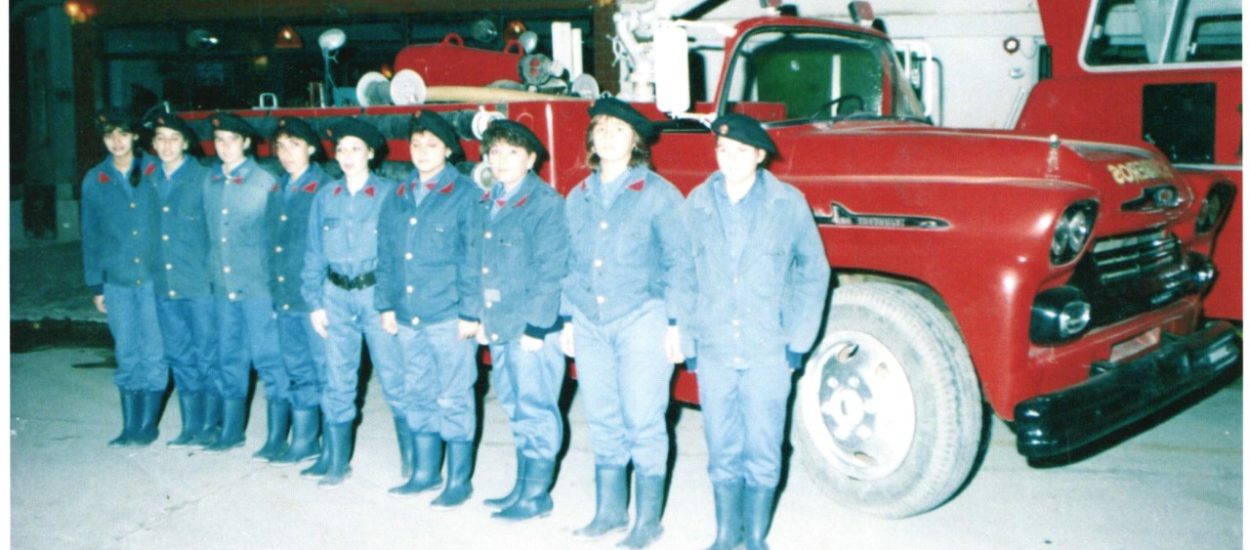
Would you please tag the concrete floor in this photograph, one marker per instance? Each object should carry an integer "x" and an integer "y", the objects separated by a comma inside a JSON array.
[{"x": 1177, "y": 485}]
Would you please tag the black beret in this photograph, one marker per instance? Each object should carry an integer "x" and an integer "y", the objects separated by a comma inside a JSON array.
[
  {"x": 744, "y": 129},
  {"x": 434, "y": 123},
  {"x": 615, "y": 108},
  {"x": 173, "y": 122},
  {"x": 298, "y": 128},
  {"x": 358, "y": 128},
  {"x": 117, "y": 117},
  {"x": 231, "y": 123},
  {"x": 511, "y": 131}
]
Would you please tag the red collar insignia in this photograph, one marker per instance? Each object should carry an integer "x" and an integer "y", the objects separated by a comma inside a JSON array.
[
  {"x": 399, "y": 191},
  {"x": 370, "y": 191},
  {"x": 311, "y": 187},
  {"x": 104, "y": 178},
  {"x": 275, "y": 188},
  {"x": 237, "y": 180},
  {"x": 485, "y": 197},
  {"x": 521, "y": 202},
  {"x": 338, "y": 190},
  {"x": 446, "y": 189},
  {"x": 151, "y": 168},
  {"x": 637, "y": 186}
]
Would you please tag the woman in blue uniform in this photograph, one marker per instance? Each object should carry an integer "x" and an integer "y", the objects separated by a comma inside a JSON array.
[
  {"x": 298, "y": 147},
  {"x": 239, "y": 202},
  {"x": 628, "y": 290},
  {"x": 522, "y": 246},
  {"x": 118, "y": 262},
  {"x": 429, "y": 293},
  {"x": 183, "y": 289},
  {"x": 762, "y": 278},
  {"x": 338, "y": 280}
]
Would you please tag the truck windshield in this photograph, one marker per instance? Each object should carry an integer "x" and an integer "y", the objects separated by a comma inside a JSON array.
[
  {"x": 1139, "y": 32},
  {"x": 781, "y": 75}
]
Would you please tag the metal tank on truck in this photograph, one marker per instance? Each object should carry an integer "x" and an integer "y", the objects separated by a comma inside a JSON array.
[{"x": 976, "y": 271}]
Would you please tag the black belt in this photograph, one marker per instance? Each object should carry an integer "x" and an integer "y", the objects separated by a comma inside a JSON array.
[{"x": 352, "y": 283}]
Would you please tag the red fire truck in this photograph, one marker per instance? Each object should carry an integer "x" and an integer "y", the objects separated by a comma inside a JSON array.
[
  {"x": 1163, "y": 73},
  {"x": 1054, "y": 282}
]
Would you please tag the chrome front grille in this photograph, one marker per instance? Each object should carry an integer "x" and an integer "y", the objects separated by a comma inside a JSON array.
[
  {"x": 1125, "y": 275},
  {"x": 1123, "y": 258}
]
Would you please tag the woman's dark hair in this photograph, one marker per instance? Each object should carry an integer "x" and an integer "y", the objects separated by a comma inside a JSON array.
[
  {"x": 639, "y": 156},
  {"x": 136, "y": 166}
]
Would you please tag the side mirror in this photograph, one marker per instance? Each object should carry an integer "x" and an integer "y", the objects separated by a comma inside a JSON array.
[{"x": 672, "y": 69}]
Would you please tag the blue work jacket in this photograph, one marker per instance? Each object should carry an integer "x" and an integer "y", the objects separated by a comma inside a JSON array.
[
  {"x": 182, "y": 242},
  {"x": 116, "y": 222},
  {"x": 769, "y": 300},
  {"x": 425, "y": 270},
  {"x": 290, "y": 240},
  {"x": 342, "y": 234},
  {"x": 240, "y": 208},
  {"x": 629, "y": 253},
  {"x": 523, "y": 253}
]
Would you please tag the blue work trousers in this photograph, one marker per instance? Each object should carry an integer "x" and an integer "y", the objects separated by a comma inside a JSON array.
[
  {"x": 744, "y": 414},
  {"x": 189, "y": 335},
  {"x": 247, "y": 334},
  {"x": 136, "y": 337},
  {"x": 304, "y": 356},
  {"x": 527, "y": 385},
  {"x": 439, "y": 372},
  {"x": 623, "y": 376},
  {"x": 351, "y": 314}
]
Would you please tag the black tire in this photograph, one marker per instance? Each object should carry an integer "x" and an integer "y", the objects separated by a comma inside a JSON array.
[{"x": 888, "y": 416}]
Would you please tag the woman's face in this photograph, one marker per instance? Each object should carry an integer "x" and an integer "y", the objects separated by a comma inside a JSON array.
[
  {"x": 613, "y": 139},
  {"x": 429, "y": 154},
  {"x": 230, "y": 146},
  {"x": 737, "y": 160},
  {"x": 120, "y": 143},
  {"x": 353, "y": 155},
  {"x": 509, "y": 163},
  {"x": 170, "y": 145},
  {"x": 294, "y": 153}
]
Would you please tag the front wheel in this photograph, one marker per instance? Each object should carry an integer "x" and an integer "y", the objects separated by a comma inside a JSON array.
[{"x": 888, "y": 416}]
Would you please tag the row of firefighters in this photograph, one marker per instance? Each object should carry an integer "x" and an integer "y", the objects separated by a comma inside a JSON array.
[{"x": 210, "y": 269}]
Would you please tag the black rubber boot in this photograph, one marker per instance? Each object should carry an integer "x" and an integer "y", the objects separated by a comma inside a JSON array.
[
  {"x": 339, "y": 467},
  {"x": 322, "y": 464},
  {"x": 459, "y": 470},
  {"x": 757, "y": 508},
  {"x": 191, "y": 409},
  {"x": 279, "y": 423},
  {"x": 130, "y": 420},
  {"x": 728, "y": 515},
  {"x": 512, "y": 496},
  {"x": 648, "y": 503},
  {"x": 610, "y": 513},
  {"x": 427, "y": 465},
  {"x": 149, "y": 417},
  {"x": 305, "y": 425},
  {"x": 535, "y": 499},
  {"x": 210, "y": 429},
  {"x": 231, "y": 427},
  {"x": 407, "y": 450}
]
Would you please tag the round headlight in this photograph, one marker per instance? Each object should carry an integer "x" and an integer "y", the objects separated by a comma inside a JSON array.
[
  {"x": 1072, "y": 230},
  {"x": 1209, "y": 213},
  {"x": 1078, "y": 230}
]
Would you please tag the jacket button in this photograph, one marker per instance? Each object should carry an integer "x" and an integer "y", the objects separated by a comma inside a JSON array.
[
  {"x": 165, "y": 209},
  {"x": 282, "y": 218},
  {"x": 231, "y": 296},
  {"x": 225, "y": 211},
  {"x": 487, "y": 235},
  {"x": 281, "y": 279},
  {"x": 600, "y": 299},
  {"x": 286, "y": 307},
  {"x": 603, "y": 224},
  {"x": 412, "y": 221},
  {"x": 172, "y": 294},
  {"x": 416, "y": 321},
  {"x": 410, "y": 289},
  {"x": 494, "y": 338},
  {"x": 136, "y": 259},
  {"x": 488, "y": 305},
  {"x": 138, "y": 282},
  {"x": 225, "y": 269},
  {"x": 164, "y": 237},
  {"x": 407, "y": 255},
  {"x": 169, "y": 267},
  {"x": 223, "y": 239},
  {"x": 133, "y": 205},
  {"x": 598, "y": 262},
  {"x": 485, "y": 270},
  {"x": 135, "y": 232},
  {"x": 277, "y": 249}
]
